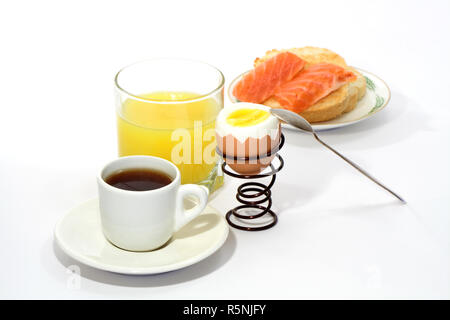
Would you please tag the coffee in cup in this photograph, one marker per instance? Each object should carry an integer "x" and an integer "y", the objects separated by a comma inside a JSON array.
[
  {"x": 138, "y": 179},
  {"x": 141, "y": 202}
]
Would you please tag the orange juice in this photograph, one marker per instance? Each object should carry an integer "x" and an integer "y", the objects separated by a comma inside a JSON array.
[{"x": 151, "y": 126}]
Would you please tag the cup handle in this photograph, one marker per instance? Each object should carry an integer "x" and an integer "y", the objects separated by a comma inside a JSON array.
[{"x": 183, "y": 216}]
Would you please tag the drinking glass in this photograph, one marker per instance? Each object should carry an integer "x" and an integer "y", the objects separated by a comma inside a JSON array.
[{"x": 167, "y": 108}]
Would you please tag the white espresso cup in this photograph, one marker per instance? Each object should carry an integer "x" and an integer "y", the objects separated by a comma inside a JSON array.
[{"x": 145, "y": 220}]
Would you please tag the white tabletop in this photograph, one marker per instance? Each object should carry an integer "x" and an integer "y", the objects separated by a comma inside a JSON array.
[{"x": 338, "y": 236}]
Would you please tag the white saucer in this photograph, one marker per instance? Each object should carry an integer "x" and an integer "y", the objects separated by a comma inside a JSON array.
[
  {"x": 376, "y": 98},
  {"x": 79, "y": 235}
]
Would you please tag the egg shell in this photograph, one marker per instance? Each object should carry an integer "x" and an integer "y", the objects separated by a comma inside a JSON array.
[{"x": 251, "y": 147}]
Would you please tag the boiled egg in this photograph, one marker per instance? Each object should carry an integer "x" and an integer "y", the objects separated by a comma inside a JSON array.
[{"x": 247, "y": 130}]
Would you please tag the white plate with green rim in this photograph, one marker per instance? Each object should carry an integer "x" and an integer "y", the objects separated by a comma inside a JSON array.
[
  {"x": 79, "y": 234},
  {"x": 376, "y": 98}
]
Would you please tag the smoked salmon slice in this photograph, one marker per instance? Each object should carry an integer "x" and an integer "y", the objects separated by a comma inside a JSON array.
[
  {"x": 260, "y": 83},
  {"x": 311, "y": 85}
]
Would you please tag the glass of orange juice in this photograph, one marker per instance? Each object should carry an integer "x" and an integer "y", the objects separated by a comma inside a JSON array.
[{"x": 167, "y": 108}]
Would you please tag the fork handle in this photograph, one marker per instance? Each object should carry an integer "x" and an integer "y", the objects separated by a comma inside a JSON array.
[{"x": 354, "y": 165}]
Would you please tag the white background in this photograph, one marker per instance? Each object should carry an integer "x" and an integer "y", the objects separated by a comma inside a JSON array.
[{"x": 338, "y": 236}]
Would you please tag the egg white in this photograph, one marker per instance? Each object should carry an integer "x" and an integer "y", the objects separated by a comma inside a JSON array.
[{"x": 269, "y": 126}]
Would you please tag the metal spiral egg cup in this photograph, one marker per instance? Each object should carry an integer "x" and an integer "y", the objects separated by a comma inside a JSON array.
[{"x": 249, "y": 192}]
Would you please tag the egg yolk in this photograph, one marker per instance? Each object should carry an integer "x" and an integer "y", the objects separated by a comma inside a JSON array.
[{"x": 247, "y": 117}]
